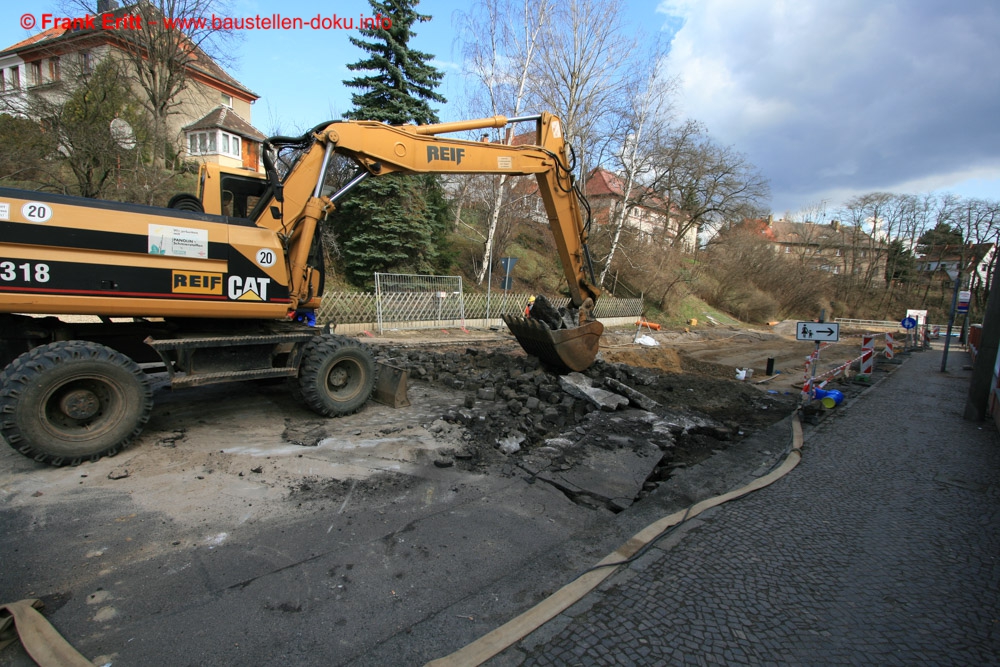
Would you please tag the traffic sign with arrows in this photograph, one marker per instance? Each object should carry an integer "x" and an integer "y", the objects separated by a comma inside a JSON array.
[{"x": 817, "y": 331}]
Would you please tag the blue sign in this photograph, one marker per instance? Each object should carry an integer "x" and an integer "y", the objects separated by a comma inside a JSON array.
[
  {"x": 508, "y": 263},
  {"x": 963, "y": 301},
  {"x": 908, "y": 323},
  {"x": 506, "y": 283}
]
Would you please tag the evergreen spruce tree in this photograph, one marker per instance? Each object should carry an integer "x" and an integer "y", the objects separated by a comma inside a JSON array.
[{"x": 393, "y": 223}]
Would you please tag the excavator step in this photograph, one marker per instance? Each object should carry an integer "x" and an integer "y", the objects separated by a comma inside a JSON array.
[
  {"x": 202, "y": 360},
  {"x": 200, "y": 379},
  {"x": 228, "y": 341}
]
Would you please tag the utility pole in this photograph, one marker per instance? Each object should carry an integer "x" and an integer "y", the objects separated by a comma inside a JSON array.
[{"x": 951, "y": 322}]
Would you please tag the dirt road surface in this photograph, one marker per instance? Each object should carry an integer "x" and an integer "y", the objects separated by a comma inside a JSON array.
[{"x": 232, "y": 472}]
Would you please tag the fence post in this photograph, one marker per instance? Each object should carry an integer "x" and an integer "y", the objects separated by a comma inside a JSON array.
[{"x": 378, "y": 302}]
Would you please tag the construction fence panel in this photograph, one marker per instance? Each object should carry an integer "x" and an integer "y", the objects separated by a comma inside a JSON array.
[
  {"x": 409, "y": 301},
  {"x": 347, "y": 308}
]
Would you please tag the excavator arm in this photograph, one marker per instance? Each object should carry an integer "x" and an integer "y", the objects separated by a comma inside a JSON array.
[{"x": 297, "y": 205}]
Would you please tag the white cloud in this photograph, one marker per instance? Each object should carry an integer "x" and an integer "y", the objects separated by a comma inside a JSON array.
[{"x": 843, "y": 96}]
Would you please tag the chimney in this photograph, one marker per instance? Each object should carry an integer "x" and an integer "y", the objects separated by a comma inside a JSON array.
[
  {"x": 770, "y": 220},
  {"x": 105, "y": 6},
  {"x": 835, "y": 224}
]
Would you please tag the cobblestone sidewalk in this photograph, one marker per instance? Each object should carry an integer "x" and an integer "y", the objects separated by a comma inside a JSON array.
[{"x": 881, "y": 548}]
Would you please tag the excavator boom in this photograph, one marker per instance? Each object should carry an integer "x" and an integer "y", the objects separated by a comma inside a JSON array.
[{"x": 381, "y": 149}]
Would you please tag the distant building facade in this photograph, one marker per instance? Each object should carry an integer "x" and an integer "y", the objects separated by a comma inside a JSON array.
[
  {"x": 835, "y": 248},
  {"x": 649, "y": 216}
]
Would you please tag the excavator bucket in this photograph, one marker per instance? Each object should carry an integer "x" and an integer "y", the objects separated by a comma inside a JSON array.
[
  {"x": 562, "y": 349},
  {"x": 390, "y": 388}
]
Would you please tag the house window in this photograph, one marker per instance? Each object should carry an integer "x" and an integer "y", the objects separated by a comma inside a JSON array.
[
  {"x": 53, "y": 69},
  {"x": 86, "y": 62},
  {"x": 227, "y": 100},
  {"x": 35, "y": 73},
  {"x": 230, "y": 144},
  {"x": 214, "y": 142},
  {"x": 788, "y": 249},
  {"x": 3, "y": 80},
  {"x": 840, "y": 253},
  {"x": 201, "y": 143},
  {"x": 15, "y": 77}
]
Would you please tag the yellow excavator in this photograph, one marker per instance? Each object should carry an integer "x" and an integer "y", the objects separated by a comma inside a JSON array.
[{"x": 222, "y": 286}]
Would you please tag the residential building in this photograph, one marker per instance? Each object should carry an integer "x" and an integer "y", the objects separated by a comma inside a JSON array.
[
  {"x": 836, "y": 248},
  {"x": 223, "y": 137},
  {"x": 940, "y": 263},
  {"x": 649, "y": 216},
  {"x": 49, "y": 62}
]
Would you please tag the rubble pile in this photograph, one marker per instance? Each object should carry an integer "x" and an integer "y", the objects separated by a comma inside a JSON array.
[{"x": 639, "y": 422}]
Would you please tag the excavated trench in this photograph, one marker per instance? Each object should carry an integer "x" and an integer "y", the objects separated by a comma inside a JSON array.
[{"x": 604, "y": 438}]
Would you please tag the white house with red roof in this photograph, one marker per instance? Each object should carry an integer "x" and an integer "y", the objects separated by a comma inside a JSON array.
[{"x": 213, "y": 105}]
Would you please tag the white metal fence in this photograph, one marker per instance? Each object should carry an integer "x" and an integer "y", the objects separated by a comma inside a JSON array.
[
  {"x": 407, "y": 301},
  {"x": 410, "y": 310}
]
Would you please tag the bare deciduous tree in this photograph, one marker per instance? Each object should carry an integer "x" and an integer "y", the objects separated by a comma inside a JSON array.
[
  {"x": 167, "y": 41},
  {"x": 646, "y": 118},
  {"x": 502, "y": 43},
  {"x": 91, "y": 140},
  {"x": 584, "y": 71},
  {"x": 709, "y": 185}
]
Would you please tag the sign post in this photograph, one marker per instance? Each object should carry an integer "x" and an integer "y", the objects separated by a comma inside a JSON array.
[
  {"x": 963, "y": 301},
  {"x": 508, "y": 266},
  {"x": 818, "y": 331}
]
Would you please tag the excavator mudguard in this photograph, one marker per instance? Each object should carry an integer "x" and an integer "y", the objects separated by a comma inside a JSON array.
[{"x": 561, "y": 349}]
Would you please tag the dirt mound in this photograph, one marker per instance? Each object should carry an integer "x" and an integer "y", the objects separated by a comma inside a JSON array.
[{"x": 660, "y": 358}]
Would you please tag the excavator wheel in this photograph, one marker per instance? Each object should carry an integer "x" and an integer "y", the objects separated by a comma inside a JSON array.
[
  {"x": 71, "y": 401},
  {"x": 336, "y": 376}
]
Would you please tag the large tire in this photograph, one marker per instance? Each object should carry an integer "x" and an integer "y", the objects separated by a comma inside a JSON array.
[
  {"x": 72, "y": 401},
  {"x": 186, "y": 202},
  {"x": 336, "y": 376}
]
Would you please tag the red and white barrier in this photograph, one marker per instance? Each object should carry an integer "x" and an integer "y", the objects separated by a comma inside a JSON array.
[
  {"x": 890, "y": 346},
  {"x": 867, "y": 354}
]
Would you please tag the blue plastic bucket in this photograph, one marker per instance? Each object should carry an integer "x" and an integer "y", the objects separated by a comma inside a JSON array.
[{"x": 829, "y": 398}]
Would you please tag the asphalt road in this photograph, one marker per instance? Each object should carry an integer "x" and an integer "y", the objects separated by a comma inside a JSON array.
[
  {"x": 399, "y": 570},
  {"x": 881, "y": 545}
]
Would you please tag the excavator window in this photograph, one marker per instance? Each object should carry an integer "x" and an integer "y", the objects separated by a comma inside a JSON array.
[{"x": 241, "y": 194}]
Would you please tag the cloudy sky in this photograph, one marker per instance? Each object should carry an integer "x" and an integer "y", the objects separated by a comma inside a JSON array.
[
  {"x": 833, "y": 98},
  {"x": 829, "y": 98}
]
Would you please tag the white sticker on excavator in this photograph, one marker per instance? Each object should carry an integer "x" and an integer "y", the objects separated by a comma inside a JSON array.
[
  {"x": 556, "y": 130},
  {"x": 266, "y": 257},
  {"x": 35, "y": 211},
  {"x": 4, "y": 211},
  {"x": 505, "y": 162},
  {"x": 178, "y": 241}
]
